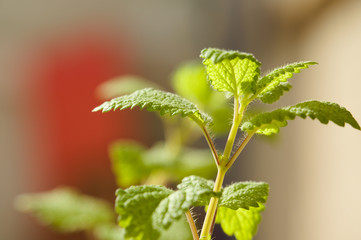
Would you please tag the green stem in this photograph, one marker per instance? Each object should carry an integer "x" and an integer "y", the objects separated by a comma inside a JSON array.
[
  {"x": 192, "y": 225},
  {"x": 239, "y": 150},
  {"x": 233, "y": 131},
  {"x": 212, "y": 208},
  {"x": 211, "y": 144},
  {"x": 208, "y": 224}
]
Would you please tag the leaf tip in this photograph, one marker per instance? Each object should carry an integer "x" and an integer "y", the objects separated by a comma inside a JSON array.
[{"x": 96, "y": 109}]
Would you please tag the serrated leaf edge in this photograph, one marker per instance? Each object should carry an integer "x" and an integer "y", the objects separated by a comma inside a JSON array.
[
  {"x": 195, "y": 114},
  {"x": 296, "y": 68},
  {"x": 291, "y": 116}
]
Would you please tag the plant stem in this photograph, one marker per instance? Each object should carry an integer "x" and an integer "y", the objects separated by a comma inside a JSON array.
[
  {"x": 209, "y": 220},
  {"x": 192, "y": 225},
  {"x": 233, "y": 131},
  {"x": 210, "y": 144},
  {"x": 239, "y": 150},
  {"x": 212, "y": 208}
]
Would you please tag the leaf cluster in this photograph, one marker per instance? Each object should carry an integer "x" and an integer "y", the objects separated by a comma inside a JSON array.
[
  {"x": 67, "y": 210},
  {"x": 145, "y": 211},
  {"x": 133, "y": 163},
  {"x": 238, "y": 74}
]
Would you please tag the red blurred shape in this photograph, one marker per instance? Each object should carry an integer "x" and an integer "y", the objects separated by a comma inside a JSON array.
[{"x": 72, "y": 67}]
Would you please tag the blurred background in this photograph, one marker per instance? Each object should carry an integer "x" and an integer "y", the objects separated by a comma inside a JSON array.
[{"x": 53, "y": 54}]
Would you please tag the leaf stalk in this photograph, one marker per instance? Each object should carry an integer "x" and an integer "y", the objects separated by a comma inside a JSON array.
[
  {"x": 192, "y": 225},
  {"x": 239, "y": 150},
  {"x": 233, "y": 131},
  {"x": 211, "y": 145}
]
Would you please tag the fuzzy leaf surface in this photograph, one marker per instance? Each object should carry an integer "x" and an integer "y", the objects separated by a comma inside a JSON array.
[
  {"x": 241, "y": 223},
  {"x": 193, "y": 191},
  {"x": 156, "y": 100},
  {"x": 270, "y": 123},
  {"x": 66, "y": 210},
  {"x": 231, "y": 71},
  {"x": 199, "y": 185},
  {"x": 239, "y": 208},
  {"x": 244, "y": 195},
  {"x": 135, "y": 206},
  {"x": 276, "y": 93},
  {"x": 145, "y": 211},
  {"x": 272, "y": 86}
]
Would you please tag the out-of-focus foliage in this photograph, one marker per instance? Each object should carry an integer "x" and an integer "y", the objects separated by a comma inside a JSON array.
[
  {"x": 190, "y": 81},
  {"x": 67, "y": 210},
  {"x": 133, "y": 164},
  {"x": 123, "y": 85}
]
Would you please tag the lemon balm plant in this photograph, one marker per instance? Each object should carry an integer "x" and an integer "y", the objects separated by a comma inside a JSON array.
[
  {"x": 156, "y": 212},
  {"x": 145, "y": 211}
]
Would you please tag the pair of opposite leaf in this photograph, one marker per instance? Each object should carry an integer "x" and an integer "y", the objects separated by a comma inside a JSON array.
[
  {"x": 145, "y": 211},
  {"x": 237, "y": 74}
]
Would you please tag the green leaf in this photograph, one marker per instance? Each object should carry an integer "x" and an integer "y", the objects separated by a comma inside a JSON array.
[
  {"x": 193, "y": 191},
  {"x": 122, "y": 85},
  {"x": 244, "y": 195},
  {"x": 231, "y": 71},
  {"x": 222, "y": 120},
  {"x": 240, "y": 207},
  {"x": 132, "y": 163},
  {"x": 187, "y": 162},
  {"x": 156, "y": 100},
  {"x": 190, "y": 81},
  {"x": 179, "y": 230},
  {"x": 241, "y": 223},
  {"x": 135, "y": 207},
  {"x": 270, "y": 123},
  {"x": 194, "y": 162},
  {"x": 200, "y": 187},
  {"x": 109, "y": 232},
  {"x": 128, "y": 163},
  {"x": 175, "y": 205},
  {"x": 145, "y": 211},
  {"x": 66, "y": 210},
  {"x": 271, "y": 87},
  {"x": 275, "y": 94}
]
